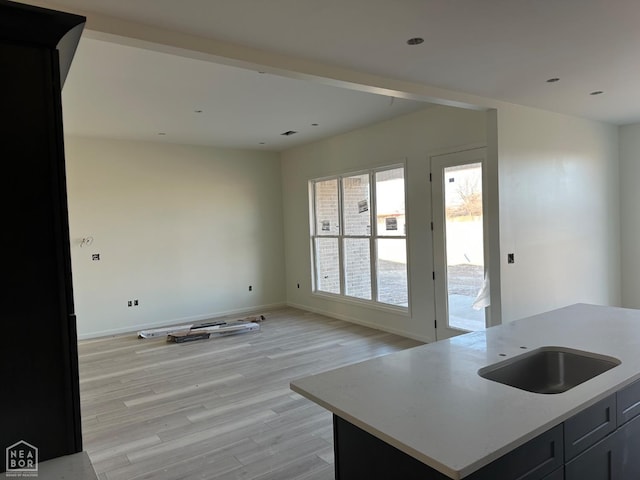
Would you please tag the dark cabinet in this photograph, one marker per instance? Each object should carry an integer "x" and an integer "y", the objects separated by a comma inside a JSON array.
[
  {"x": 360, "y": 455},
  {"x": 595, "y": 463},
  {"x": 557, "y": 475},
  {"x": 38, "y": 359},
  {"x": 589, "y": 426},
  {"x": 602, "y": 442},
  {"x": 628, "y": 450},
  {"x": 628, "y": 402},
  {"x": 616, "y": 457},
  {"x": 616, "y": 454},
  {"x": 532, "y": 461}
]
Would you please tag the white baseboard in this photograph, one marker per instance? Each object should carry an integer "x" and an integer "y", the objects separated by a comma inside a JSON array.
[
  {"x": 347, "y": 318},
  {"x": 177, "y": 321}
]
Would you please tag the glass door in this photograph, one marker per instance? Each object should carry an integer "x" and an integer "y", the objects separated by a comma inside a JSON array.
[{"x": 462, "y": 290}]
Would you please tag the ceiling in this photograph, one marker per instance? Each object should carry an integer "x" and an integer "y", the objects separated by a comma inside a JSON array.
[
  {"x": 125, "y": 92},
  {"x": 495, "y": 49}
]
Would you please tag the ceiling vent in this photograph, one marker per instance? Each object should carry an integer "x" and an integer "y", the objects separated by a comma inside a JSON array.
[{"x": 289, "y": 133}]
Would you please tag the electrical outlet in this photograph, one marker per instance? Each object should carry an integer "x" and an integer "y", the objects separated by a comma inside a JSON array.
[
  {"x": 250, "y": 288},
  {"x": 129, "y": 303},
  {"x": 511, "y": 258},
  {"x": 298, "y": 285},
  {"x": 135, "y": 302}
]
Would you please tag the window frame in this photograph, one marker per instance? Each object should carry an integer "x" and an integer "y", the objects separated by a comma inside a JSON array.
[{"x": 373, "y": 238}]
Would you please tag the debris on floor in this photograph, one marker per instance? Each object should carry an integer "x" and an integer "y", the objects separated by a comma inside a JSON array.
[{"x": 204, "y": 330}]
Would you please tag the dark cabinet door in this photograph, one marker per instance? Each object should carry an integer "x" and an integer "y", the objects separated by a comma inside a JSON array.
[
  {"x": 589, "y": 427},
  {"x": 531, "y": 461},
  {"x": 628, "y": 402},
  {"x": 628, "y": 454},
  {"x": 596, "y": 463},
  {"x": 557, "y": 475}
]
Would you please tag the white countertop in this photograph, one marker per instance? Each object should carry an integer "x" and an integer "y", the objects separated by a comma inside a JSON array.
[{"x": 430, "y": 402}]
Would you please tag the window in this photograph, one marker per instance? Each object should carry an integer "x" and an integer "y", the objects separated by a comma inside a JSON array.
[{"x": 359, "y": 236}]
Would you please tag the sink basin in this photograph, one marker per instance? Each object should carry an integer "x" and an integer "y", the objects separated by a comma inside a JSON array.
[{"x": 549, "y": 369}]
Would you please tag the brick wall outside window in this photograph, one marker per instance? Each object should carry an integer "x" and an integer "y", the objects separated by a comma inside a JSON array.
[{"x": 348, "y": 199}]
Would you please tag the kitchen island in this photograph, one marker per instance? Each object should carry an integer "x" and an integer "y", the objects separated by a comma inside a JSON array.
[{"x": 428, "y": 410}]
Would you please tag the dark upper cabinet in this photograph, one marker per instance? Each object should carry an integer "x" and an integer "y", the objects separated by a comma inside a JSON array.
[{"x": 38, "y": 358}]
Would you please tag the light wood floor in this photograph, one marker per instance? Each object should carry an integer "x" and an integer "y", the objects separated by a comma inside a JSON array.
[{"x": 219, "y": 408}]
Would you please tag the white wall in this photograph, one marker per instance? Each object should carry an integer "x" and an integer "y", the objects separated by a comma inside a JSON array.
[
  {"x": 187, "y": 229},
  {"x": 183, "y": 229},
  {"x": 630, "y": 214},
  {"x": 413, "y": 137},
  {"x": 559, "y": 211}
]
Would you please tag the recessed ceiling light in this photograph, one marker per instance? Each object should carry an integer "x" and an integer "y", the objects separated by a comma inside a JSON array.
[
  {"x": 597, "y": 92},
  {"x": 161, "y": 133},
  {"x": 288, "y": 133},
  {"x": 197, "y": 111},
  {"x": 553, "y": 80},
  {"x": 315, "y": 124},
  {"x": 415, "y": 41},
  {"x": 262, "y": 143}
]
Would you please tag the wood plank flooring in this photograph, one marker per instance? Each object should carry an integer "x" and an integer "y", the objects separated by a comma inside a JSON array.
[{"x": 221, "y": 408}]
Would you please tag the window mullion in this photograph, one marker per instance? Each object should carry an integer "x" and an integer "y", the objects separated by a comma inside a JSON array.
[
  {"x": 373, "y": 208},
  {"x": 314, "y": 231},
  {"x": 314, "y": 236},
  {"x": 341, "y": 256},
  {"x": 314, "y": 252}
]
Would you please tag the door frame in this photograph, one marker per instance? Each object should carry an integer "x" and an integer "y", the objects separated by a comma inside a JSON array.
[{"x": 460, "y": 156}]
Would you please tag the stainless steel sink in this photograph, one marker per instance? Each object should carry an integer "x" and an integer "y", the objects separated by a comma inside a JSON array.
[{"x": 549, "y": 369}]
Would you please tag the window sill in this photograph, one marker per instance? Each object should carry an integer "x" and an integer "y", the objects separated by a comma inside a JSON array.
[{"x": 384, "y": 307}]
